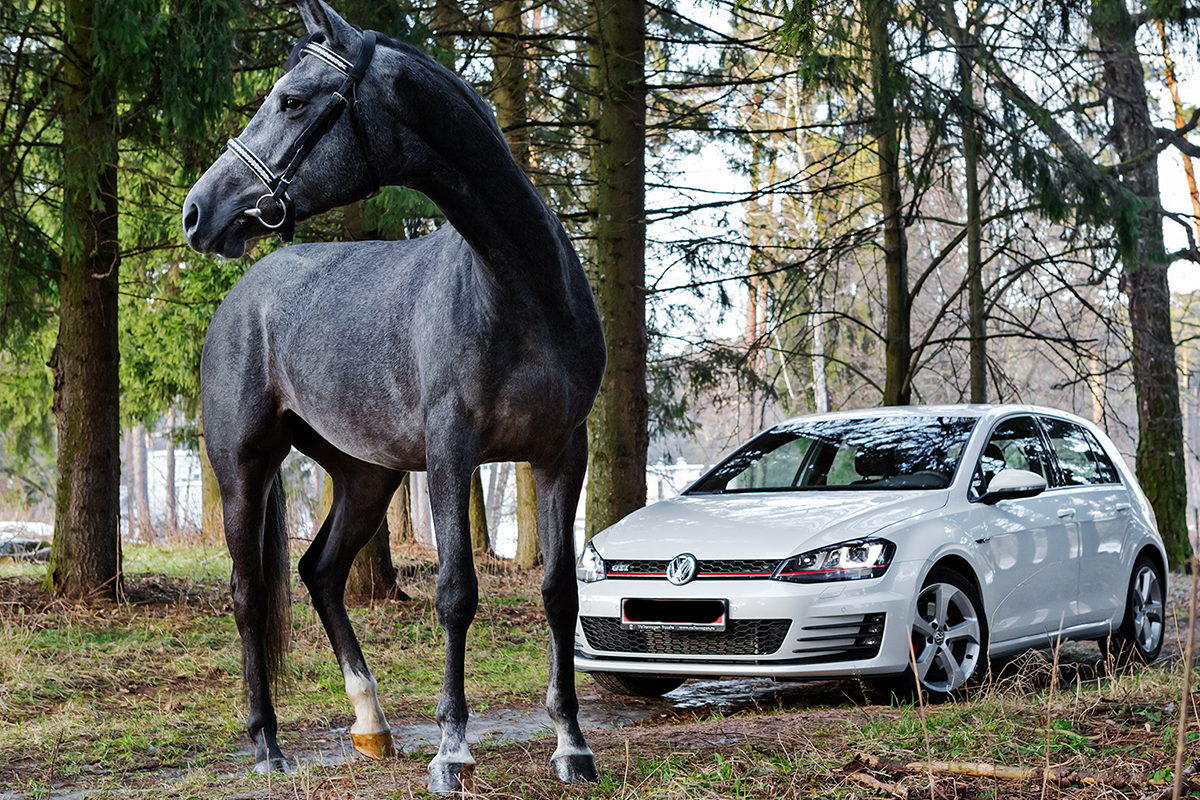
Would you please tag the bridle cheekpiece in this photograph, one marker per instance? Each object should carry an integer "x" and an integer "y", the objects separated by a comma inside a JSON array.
[{"x": 276, "y": 197}]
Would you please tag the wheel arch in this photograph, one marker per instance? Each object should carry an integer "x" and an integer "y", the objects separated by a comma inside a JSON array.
[
  {"x": 960, "y": 565},
  {"x": 1155, "y": 556}
]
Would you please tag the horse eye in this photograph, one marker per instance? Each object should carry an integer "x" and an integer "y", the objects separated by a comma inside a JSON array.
[{"x": 293, "y": 104}]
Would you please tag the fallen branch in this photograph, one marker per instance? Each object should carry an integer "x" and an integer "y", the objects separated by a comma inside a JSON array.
[
  {"x": 871, "y": 782},
  {"x": 1058, "y": 775}
]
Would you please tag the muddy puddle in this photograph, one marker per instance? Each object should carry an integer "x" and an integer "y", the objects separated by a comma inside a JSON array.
[{"x": 696, "y": 699}]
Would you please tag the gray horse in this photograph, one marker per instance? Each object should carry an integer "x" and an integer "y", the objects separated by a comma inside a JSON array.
[{"x": 478, "y": 343}]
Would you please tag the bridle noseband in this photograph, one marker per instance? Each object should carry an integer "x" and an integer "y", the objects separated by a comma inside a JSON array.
[{"x": 345, "y": 96}]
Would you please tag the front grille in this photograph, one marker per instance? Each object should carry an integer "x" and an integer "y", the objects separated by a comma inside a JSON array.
[
  {"x": 741, "y": 637},
  {"x": 848, "y": 638},
  {"x": 726, "y": 568}
]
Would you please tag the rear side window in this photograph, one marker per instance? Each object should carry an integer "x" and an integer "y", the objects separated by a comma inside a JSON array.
[{"x": 1081, "y": 459}]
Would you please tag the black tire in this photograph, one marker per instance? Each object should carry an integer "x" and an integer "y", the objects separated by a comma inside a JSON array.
[
  {"x": 949, "y": 639},
  {"x": 637, "y": 685},
  {"x": 1139, "y": 640}
]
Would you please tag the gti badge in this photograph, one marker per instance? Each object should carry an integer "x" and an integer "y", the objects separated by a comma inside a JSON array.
[{"x": 681, "y": 569}]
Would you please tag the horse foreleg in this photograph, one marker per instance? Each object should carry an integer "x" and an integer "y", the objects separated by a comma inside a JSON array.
[
  {"x": 457, "y": 600},
  {"x": 360, "y": 501},
  {"x": 558, "y": 490}
]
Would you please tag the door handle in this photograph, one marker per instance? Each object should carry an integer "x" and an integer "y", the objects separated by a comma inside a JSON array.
[
  {"x": 1122, "y": 508},
  {"x": 1064, "y": 513}
]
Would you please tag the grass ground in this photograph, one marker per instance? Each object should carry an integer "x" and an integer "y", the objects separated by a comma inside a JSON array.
[{"x": 142, "y": 699}]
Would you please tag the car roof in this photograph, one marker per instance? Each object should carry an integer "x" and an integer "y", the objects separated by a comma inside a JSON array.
[{"x": 971, "y": 410}]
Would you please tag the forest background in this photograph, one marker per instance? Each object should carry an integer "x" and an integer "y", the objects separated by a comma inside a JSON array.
[{"x": 783, "y": 207}]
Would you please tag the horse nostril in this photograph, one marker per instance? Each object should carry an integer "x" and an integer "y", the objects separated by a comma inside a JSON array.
[{"x": 191, "y": 217}]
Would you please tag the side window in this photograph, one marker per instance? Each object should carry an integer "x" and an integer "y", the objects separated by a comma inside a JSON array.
[
  {"x": 1104, "y": 464},
  {"x": 1015, "y": 444},
  {"x": 1081, "y": 460}
]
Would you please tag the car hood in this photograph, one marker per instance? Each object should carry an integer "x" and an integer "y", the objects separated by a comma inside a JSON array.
[{"x": 759, "y": 525}]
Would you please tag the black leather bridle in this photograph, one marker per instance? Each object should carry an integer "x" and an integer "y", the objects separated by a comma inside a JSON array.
[{"x": 345, "y": 96}]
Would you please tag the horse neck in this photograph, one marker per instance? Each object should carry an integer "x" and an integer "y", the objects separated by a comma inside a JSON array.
[{"x": 460, "y": 160}]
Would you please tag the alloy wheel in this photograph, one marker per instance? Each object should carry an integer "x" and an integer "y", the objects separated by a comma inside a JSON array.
[
  {"x": 1147, "y": 609},
  {"x": 947, "y": 638}
]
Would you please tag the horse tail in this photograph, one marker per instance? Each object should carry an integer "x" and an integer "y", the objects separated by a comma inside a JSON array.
[{"x": 276, "y": 572}]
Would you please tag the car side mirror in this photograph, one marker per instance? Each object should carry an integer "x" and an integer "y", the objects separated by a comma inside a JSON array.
[{"x": 1009, "y": 484}]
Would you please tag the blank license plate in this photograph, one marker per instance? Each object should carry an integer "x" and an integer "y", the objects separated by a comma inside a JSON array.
[{"x": 638, "y": 614}]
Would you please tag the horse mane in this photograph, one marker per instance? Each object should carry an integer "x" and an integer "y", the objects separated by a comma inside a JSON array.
[{"x": 477, "y": 103}]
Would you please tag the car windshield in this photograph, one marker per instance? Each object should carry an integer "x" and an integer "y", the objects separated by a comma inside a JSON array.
[{"x": 912, "y": 452}]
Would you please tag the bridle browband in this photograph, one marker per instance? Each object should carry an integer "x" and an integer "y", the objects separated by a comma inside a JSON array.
[{"x": 345, "y": 96}]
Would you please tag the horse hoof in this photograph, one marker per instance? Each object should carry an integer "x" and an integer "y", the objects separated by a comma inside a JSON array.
[
  {"x": 575, "y": 767},
  {"x": 447, "y": 778},
  {"x": 273, "y": 765},
  {"x": 374, "y": 745}
]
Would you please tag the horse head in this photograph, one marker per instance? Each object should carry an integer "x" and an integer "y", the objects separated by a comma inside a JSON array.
[{"x": 305, "y": 150}]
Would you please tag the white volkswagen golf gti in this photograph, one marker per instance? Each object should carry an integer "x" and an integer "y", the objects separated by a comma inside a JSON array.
[{"x": 879, "y": 543}]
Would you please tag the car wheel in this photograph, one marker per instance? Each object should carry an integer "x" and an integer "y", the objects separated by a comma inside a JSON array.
[
  {"x": 636, "y": 685},
  {"x": 1140, "y": 637},
  {"x": 948, "y": 637}
]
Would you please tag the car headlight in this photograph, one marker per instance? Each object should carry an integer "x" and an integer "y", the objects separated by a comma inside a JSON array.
[
  {"x": 848, "y": 561},
  {"x": 591, "y": 566}
]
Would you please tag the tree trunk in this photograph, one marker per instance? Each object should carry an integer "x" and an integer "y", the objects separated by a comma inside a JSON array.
[
  {"x": 820, "y": 386},
  {"x": 85, "y": 559},
  {"x": 1160, "y": 451},
  {"x": 399, "y": 514},
  {"x": 897, "y": 388},
  {"x": 618, "y": 427},
  {"x": 529, "y": 552},
  {"x": 130, "y": 508},
  {"x": 481, "y": 542},
  {"x": 422, "y": 527},
  {"x": 497, "y": 491},
  {"x": 212, "y": 513},
  {"x": 976, "y": 322},
  {"x": 511, "y": 90},
  {"x": 510, "y": 86},
  {"x": 1180, "y": 121},
  {"x": 372, "y": 575},
  {"x": 141, "y": 490},
  {"x": 172, "y": 520}
]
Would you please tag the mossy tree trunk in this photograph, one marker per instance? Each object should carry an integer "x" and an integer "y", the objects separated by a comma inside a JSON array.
[
  {"x": 1160, "y": 451},
  {"x": 529, "y": 551},
  {"x": 85, "y": 560},
  {"x": 618, "y": 427}
]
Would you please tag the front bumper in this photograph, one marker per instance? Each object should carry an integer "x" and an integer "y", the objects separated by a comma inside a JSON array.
[{"x": 810, "y": 630}]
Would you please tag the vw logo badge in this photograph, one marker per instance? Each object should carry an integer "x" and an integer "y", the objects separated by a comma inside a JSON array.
[{"x": 681, "y": 569}]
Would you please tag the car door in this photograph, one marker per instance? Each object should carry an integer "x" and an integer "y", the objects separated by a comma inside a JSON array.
[
  {"x": 1030, "y": 545},
  {"x": 1102, "y": 511}
]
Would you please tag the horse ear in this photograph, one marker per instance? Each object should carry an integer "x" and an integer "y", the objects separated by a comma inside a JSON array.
[{"x": 320, "y": 18}]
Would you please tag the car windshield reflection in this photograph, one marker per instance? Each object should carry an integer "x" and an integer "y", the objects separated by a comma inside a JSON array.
[{"x": 880, "y": 453}]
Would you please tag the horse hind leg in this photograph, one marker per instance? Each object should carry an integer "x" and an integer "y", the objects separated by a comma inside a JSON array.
[
  {"x": 360, "y": 498},
  {"x": 558, "y": 490}
]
